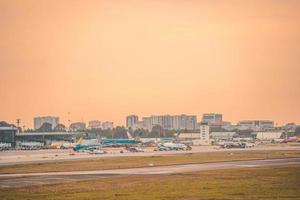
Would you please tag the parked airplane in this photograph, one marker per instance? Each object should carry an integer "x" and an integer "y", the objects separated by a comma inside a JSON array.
[
  {"x": 86, "y": 144},
  {"x": 96, "y": 150},
  {"x": 120, "y": 141},
  {"x": 291, "y": 139},
  {"x": 149, "y": 141},
  {"x": 64, "y": 144},
  {"x": 68, "y": 145},
  {"x": 249, "y": 145},
  {"x": 173, "y": 146},
  {"x": 56, "y": 144}
]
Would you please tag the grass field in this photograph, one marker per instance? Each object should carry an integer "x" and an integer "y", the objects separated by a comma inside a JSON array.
[
  {"x": 129, "y": 162},
  {"x": 253, "y": 183}
]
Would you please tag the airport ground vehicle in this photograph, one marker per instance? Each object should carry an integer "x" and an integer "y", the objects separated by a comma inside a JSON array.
[
  {"x": 230, "y": 145},
  {"x": 96, "y": 151},
  {"x": 134, "y": 149}
]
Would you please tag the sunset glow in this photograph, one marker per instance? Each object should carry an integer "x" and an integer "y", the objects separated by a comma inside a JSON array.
[{"x": 107, "y": 59}]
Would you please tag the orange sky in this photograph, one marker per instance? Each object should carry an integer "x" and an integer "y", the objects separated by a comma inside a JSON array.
[{"x": 106, "y": 59}]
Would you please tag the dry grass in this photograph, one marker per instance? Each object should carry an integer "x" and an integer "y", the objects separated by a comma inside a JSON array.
[
  {"x": 254, "y": 183},
  {"x": 130, "y": 162}
]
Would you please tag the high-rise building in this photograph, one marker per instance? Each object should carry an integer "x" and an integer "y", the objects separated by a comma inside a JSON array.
[
  {"x": 177, "y": 122},
  {"x": 39, "y": 121},
  {"x": 147, "y": 123},
  {"x": 180, "y": 122},
  {"x": 190, "y": 122},
  {"x": 168, "y": 122},
  {"x": 212, "y": 118},
  {"x": 131, "y": 121}
]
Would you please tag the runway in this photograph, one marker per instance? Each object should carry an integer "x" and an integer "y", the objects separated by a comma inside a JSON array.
[{"x": 20, "y": 180}]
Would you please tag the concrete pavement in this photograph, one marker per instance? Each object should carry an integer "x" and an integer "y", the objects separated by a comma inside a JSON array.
[
  {"x": 54, "y": 155},
  {"x": 18, "y": 180}
]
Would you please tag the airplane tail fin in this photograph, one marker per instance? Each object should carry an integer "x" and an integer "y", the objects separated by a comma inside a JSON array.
[
  {"x": 129, "y": 135},
  {"x": 80, "y": 141}
]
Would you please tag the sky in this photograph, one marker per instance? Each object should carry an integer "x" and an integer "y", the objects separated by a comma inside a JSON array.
[{"x": 106, "y": 59}]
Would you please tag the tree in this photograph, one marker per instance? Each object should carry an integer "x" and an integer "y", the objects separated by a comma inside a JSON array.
[
  {"x": 130, "y": 130},
  {"x": 297, "y": 131},
  {"x": 60, "y": 128},
  {"x": 120, "y": 132},
  {"x": 140, "y": 132},
  {"x": 46, "y": 127},
  {"x": 170, "y": 133},
  {"x": 157, "y": 131}
]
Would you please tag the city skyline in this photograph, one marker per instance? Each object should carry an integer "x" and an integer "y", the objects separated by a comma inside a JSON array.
[
  {"x": 106, "y": 59},
  {"x": 66, "y": 119},
  {"x": 199, "y": 118}
]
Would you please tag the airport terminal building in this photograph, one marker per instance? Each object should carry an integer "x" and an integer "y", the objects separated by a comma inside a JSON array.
[{"x": 7, "y": 135}]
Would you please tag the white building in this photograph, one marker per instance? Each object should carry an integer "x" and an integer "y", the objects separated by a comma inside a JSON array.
[
  {"x": 222, "y": 135},
  {"x": 131, "y": 121},
  {"x": 256, "y": 124},
  {"x": 39, "y": 121},
  {"x": 189, "y": 136},
  {"x": 204, "y": 138},
  {"x": 268, "y": 135},
  {"x": 107, "y": 125}
]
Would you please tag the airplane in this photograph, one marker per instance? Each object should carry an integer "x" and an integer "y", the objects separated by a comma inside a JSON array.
[
  {"x": 173, "y": 146},
  {"x": 63, "y": 144},
  {"x": 120, "y": 141},
  {"x": 292, "y": 139},
  {"x": 149, "y": 140},
  {"x": 249, "y": 145},
  {"x": 56, "y": 145},
  {"x": 278, "y": 140},
  {"x": 86, "y": 144},
  {"x": 67, "y": 145},
  {"x": 95, "y": 150},
  {"x": 229, "y": 145},
  {"x": 105, "y": 142},
  {"x": 166, "y": 140}
]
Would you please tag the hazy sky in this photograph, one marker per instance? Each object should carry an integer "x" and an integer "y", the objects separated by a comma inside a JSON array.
[{"x": 106, "y": 59}]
